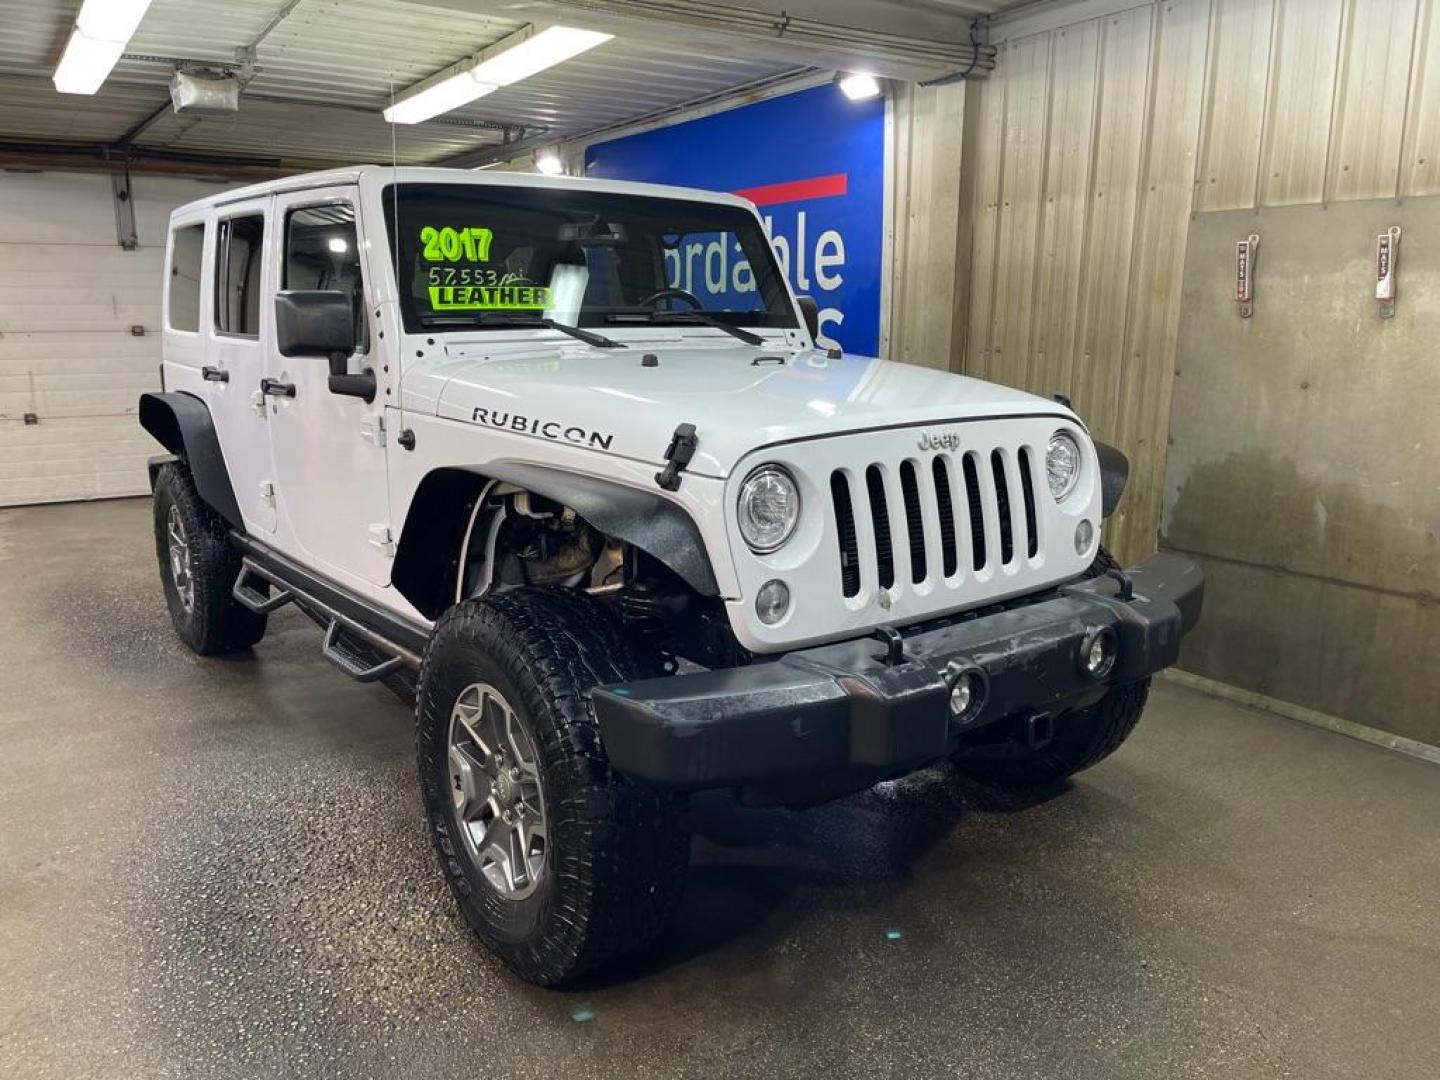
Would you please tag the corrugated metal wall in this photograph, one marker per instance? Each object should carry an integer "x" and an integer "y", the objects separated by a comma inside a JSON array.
[{"x": 1098, "y": 137}]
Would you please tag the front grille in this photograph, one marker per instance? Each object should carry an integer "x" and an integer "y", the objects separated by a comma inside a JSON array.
[{"x": 971, "y": 512}]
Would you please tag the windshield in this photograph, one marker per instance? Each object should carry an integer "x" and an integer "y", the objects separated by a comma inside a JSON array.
[{"x": 499, "y": 257}]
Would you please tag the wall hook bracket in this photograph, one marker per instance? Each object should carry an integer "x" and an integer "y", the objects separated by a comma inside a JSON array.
[
  {"x": 1246, "y": 251},
  {"x": 1387, "y": 258}
]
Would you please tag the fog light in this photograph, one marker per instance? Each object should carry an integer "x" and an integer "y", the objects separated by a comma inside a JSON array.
[
  {"x": 772, "y": 601},
  {"x": 1097, "y": 652},
  {"x": 967, "y": 690},
  {"x": 961, "y": 694},
  {"x": 1084, "y": 533}
]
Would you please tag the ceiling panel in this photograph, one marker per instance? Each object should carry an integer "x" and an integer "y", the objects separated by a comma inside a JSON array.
[{"x": 324, "y": 70}]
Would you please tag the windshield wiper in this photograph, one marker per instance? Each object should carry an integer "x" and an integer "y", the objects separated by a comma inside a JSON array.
[
  {"x": 518, "y": 318},
  {"x": 702, "y": 317}
]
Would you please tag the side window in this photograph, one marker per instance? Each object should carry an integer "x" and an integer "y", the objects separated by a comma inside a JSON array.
[
  {"x": 321, "y": 252},
  {"x": 237, "y": 275},
  {"x": 186, "y": 245}
]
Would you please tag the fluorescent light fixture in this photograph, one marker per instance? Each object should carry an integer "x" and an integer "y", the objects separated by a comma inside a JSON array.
[
  {"x": 549, "y": 163},
  {"x": 86, "y": 63},
  {"x": 546, "y": 49},
  {"x": 449, "y": 93},
  {"x": 101, "y": 32},
  {"x": 859, "y": 85},
  {"x": 111, "y": 20},
  {"x": 509, "y": 60}
]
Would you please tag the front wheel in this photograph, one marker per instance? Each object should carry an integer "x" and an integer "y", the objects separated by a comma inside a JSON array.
[{"x": 558, "y": 863}]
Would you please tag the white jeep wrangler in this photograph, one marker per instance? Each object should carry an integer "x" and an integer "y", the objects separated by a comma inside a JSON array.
[{"x": 621, "y": 528}]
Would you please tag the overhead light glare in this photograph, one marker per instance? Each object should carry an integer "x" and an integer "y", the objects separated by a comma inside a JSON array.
[
  {"x": 509, "y": 60},
  {"x": 86, "y": 63},
  {"x": 445, "y": 95},
  {"x": 111, "y": 20},
  {"x": 102, "y": 29},
  {"x": 546, "y": 49},
  {"x": 859, "y": 85},
  {"x": 549, "y": 163}
]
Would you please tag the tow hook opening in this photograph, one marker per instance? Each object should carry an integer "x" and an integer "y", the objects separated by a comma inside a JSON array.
[{"x": 1039, "y": 730}]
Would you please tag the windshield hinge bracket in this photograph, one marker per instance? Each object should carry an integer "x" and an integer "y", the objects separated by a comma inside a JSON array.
[
  {"x": 677, "y": 456},
  {"x": 372, "y": 428}
]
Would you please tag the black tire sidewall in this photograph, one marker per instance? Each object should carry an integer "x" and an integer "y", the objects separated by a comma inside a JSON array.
[
  {"x": 188, "y": 624},
  {"x": 216, "y": 623}
]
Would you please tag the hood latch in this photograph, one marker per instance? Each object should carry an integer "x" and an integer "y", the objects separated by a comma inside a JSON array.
[{"x": 677, "y": 456}]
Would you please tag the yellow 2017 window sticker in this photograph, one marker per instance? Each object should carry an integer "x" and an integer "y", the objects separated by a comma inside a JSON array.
[
  {"x": 448, "y": 245},
  {"x": 471, "y": 288}
]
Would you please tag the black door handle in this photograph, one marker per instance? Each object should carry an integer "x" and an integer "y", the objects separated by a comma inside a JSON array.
[
  {"x": 214, "y": 374},
  {"x": 276, "y": 388}
]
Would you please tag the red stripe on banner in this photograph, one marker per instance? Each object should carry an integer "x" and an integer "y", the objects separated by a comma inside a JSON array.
[{"x": 817, "y": 187}]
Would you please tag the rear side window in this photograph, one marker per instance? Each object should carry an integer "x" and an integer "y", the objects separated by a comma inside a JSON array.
[
  {"x": 321, "y": 253},
  {"x": 237, "y": 275},
  {"x": 186, "y": 244}
]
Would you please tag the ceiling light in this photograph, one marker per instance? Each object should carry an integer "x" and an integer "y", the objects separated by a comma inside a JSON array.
[
  {"x": 449, "y": 93},
  {"x": 509, "y": 60},
  {"x": 337, "y": 245},
  {"x": 86, "y": 63},
  {"x": 111, "y": 20},
  {"x": 546, "y": 49},
  {"x": 549, "y": 163},
  {"x": 858, "y": 85},
  {"x": 101, "y": 32}
]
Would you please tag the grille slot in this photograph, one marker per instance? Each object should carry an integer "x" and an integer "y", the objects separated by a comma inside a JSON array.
[
  {"x": 1002, "y": 500},
  {"x": 845, "y": 530},
  {"x": 977, "y": 513},
  {"x": 880, "y": 519},
  {"x": 1027, "y": 484},
  {"x": 914, "y": 519},
  {"x": 945, "y": 506}
]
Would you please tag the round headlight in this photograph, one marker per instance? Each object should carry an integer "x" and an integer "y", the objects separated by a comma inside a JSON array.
[
  {"x": 1062, "y": 464},
  {"x": 768, "y": 508}
]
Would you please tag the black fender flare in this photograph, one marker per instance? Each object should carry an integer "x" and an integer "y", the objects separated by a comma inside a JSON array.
[
  {"x": 427, "y": 556},
  {"x": 1114, "y": 473},
  {"x": 183, "y": 425}
]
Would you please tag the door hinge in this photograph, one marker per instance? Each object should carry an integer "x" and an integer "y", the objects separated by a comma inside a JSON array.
[
  {"x": 372, "y": 428},
  {"x": 381, "y": 538},
  {"x": 267, "y": 492}
]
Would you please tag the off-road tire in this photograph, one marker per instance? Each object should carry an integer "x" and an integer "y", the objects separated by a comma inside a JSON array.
[
  {"x": 215, "y": 622},
  {"x": 616, "y": 851},
  {"x": 1082, "y": 738}
]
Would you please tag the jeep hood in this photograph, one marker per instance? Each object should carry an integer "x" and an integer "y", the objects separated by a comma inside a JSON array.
[{"x": 739, "y": 399}]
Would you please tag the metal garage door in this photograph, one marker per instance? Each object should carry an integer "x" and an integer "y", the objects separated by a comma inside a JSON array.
[{"x": 72, "y": 362}]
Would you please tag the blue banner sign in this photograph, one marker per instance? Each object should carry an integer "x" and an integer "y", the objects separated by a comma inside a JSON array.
[{"x": 814, "y": 163}]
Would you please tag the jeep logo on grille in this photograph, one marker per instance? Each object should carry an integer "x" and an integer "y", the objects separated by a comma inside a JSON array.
[{"x": 939, "y": 440}]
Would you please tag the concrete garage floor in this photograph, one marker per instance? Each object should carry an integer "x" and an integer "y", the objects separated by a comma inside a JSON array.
[{"x": 219, "y": 869}]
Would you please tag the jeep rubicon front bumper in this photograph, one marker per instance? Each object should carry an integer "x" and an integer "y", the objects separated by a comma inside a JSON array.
[{"x": 839, "y": 717}]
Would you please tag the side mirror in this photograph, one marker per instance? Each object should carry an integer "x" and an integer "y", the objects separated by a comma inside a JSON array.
[
  {"x": 811, "y": 312},
  {"x": 314, "y": 322},
  {"x": 321, "y": 322}
]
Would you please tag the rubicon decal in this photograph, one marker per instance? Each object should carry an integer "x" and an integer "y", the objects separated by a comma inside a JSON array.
[{"x": 548, "y": 429}]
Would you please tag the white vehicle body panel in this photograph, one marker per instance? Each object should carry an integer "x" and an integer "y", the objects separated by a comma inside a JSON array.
[{"x": 477, "y": 397}]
